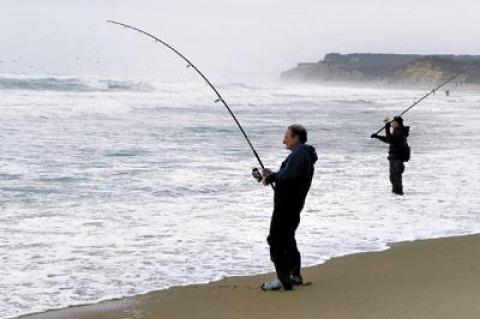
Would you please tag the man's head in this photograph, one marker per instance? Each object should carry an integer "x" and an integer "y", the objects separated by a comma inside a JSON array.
[
  {"x": 397, "y": 122},
  {"x": 295, "y": 134}
]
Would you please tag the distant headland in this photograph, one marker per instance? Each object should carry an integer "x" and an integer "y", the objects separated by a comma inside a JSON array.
[{"x": 395, "y": 69}]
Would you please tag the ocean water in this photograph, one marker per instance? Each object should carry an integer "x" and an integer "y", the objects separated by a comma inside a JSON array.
[{"x": 115, "y": 188}]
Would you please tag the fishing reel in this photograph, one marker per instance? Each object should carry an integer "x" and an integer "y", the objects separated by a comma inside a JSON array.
[{"x": 257, "y": 174}]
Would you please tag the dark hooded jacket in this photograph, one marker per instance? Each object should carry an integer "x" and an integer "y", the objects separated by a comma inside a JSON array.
[
  {"x": 293, "y": 180},
  {"x": 397, "y": 141}
]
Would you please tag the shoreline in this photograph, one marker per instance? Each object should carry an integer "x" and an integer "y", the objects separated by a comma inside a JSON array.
[{"x": 338, "y": 280}]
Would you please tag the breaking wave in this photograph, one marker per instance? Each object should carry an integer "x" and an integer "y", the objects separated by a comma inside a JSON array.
[{"x": 72, "y": 84}]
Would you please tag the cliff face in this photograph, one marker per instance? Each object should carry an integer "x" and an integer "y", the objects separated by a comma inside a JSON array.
[{"x": 386, "y": 68}]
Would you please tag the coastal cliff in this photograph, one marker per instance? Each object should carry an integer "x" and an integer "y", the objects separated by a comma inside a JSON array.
[{"x": 403, "y": 69}]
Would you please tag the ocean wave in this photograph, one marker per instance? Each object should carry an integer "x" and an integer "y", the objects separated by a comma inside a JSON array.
[
  {"x": 125, "y": 152},
  {"x": 72, "y": 84},
  {"x": 352, "y": 101},
  {"x": 119, "y": 194},
  {"x": 239, "y": 85},
  {"x": 9, "y": 177}
]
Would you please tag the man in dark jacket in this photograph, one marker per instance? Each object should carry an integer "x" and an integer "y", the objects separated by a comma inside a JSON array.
[
  {"x": 292, "y": 183},
  {"x": 397, "y": 153}
]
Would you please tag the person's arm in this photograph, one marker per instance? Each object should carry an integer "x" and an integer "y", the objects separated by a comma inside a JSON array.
[
  {"x": 298, "y": 165},
  {"x": 388, "y": 136},
  {"x": 381, "y": 138},
  {"x": 395, "y": 138}
]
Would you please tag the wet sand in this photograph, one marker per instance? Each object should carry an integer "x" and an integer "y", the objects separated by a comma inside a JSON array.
[{"x": 423, "y": 279}]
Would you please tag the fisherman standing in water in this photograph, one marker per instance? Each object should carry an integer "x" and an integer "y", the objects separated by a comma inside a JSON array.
[
  {"x": 292, "y": 183},
  {"x": 399, "y": 151}
]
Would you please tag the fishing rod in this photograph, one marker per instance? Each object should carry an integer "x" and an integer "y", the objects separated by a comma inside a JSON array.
[
  {"x": 190, "y": 64},
  {"x": 425, "y": 96}
]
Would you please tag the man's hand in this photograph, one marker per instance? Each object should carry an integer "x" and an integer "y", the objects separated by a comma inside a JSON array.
[
  {"x": 266, "y": 172},
  {"x": 374, "y": 135},
  {"x": 387, "y": 125}
]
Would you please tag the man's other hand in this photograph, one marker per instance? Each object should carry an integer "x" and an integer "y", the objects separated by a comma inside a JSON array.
[{"x": 266, "y": 172}]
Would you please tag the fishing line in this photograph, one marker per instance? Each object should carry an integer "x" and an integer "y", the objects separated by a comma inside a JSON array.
[{"x": 190, "y": 64}]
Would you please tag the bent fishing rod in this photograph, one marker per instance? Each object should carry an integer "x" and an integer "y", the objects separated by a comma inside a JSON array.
[
  {"x": 190, "y": 64},
  {"x": 425, "y": 96}
]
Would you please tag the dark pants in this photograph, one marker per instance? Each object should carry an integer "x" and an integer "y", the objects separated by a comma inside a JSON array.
[
  {"x": 283, "y": 246},
  {"x": 396, "y": 171}
]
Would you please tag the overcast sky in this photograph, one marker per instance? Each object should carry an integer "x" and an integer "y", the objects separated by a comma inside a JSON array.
[{"x": 234, "y": 40}]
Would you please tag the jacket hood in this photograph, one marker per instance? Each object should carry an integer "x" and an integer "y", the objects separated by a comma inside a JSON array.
[
  {"x": 311, "y": 152},
  {"x": 403, "y": 130}
]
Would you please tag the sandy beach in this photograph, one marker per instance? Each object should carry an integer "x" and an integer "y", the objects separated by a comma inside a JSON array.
[{"x": 423, "y": 279}]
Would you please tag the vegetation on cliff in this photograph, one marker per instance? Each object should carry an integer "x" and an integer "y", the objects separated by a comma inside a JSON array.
[{"x": 387, "y": 68}]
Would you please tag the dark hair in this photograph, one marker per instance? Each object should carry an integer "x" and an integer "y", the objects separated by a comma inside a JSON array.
[
  {"x": 399, "y": 120},
  {"x": 300, "y": 131}
]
